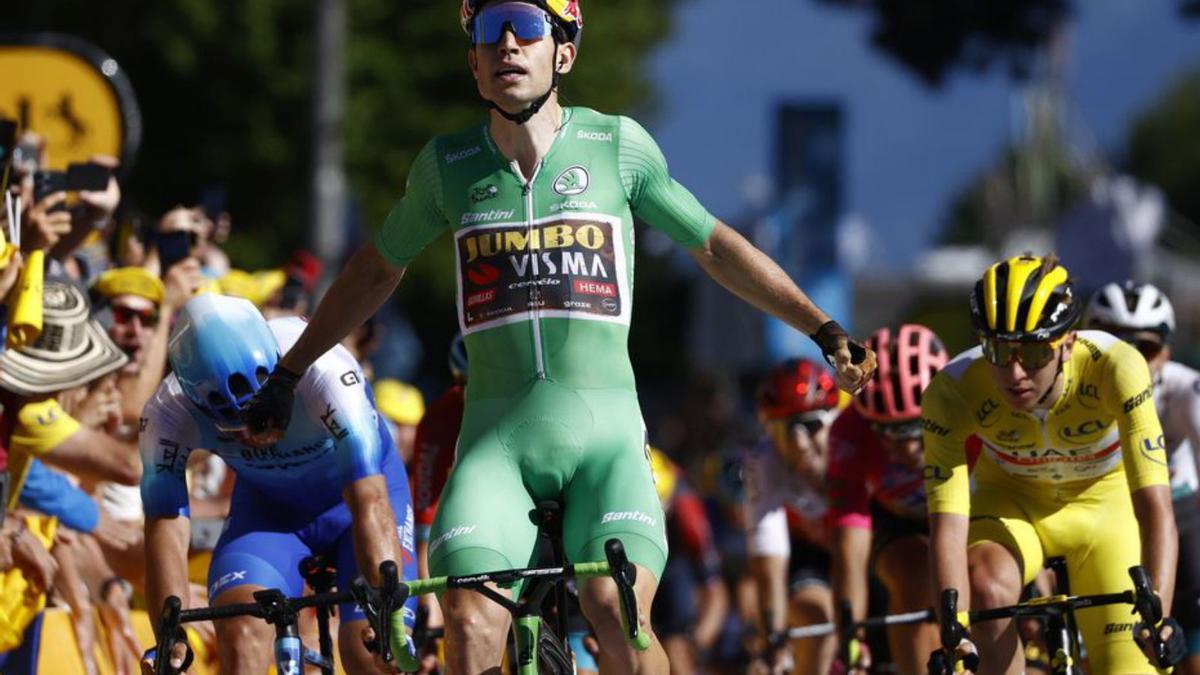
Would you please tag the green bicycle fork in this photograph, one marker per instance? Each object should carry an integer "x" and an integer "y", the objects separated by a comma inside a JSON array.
[{"x": 527, "y": 629}]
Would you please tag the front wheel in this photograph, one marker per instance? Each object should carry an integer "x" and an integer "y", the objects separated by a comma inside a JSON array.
[{"x": 553, "y": 656}]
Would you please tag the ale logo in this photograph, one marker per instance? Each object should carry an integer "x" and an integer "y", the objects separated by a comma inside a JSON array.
[{"x": 572, "y": 181}]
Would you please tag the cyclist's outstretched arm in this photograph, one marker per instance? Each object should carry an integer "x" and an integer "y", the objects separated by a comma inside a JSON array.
[
  {"x": 366, "y": 281},
  {"x": 1160, "y": 540},
  {"x": 752, "y": 275}
]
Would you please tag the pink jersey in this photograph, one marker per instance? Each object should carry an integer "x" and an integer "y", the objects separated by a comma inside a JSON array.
[{"x": 861, "y": 470}]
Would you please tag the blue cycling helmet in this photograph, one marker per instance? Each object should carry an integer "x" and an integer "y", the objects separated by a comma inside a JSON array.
[
  {"x": 458, "y": 357},
  {"x": 221, "y": 351}
]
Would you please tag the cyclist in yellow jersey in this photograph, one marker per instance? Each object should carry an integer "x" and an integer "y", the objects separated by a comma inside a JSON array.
[{"x": 1073, "y": 465}]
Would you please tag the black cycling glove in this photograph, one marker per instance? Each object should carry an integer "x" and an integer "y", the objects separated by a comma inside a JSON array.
[{"x": 271, "y": 406}]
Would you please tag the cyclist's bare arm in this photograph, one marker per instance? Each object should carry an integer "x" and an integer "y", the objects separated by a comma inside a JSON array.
[
  {"x": 948, "y": 545},
  {"x": 751, "y": 275},
  {"x": 713, "y": 608},
  {"x": 364, "y": 284},
  {"x": 770, "y": 580},
  {"x": 747, "y": 272},
  {"x": 851, "y": 549},
  {"x": 1160, "y": 540},
  {"x": 375, "y": 537},
  {"x": 167, "y": 541}
]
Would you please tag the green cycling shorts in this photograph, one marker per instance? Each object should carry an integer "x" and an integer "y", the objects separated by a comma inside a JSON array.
[{"x": 583, "y": 447}]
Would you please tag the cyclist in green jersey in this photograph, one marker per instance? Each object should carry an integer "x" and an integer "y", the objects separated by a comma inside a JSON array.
[{"x": 541, "y": 201}]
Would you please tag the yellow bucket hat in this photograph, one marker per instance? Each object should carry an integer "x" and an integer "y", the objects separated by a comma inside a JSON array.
[
  {"x": 401, "y": 403},
  {"x": 131, "y": 281}
]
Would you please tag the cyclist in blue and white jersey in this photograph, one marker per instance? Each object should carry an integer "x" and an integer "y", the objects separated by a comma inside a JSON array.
[
  {"x": 333, "y": 485},
  {"x": 1142, "y": 315}
]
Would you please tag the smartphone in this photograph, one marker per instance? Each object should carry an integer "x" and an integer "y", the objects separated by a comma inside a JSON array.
[
  {"x": 173, "y": 247},
  {"x": 89, "y": 176},
  {"x": 8, "y": 138},
  {"x": 46, "y": 183}
]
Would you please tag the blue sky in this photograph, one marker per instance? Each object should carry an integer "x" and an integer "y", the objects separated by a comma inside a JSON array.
[{"x": 909, "y": 149}]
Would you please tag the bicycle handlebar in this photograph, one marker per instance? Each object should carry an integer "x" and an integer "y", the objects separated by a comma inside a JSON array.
[
  {"x": 1143, "y": 598},
  {"x": 381, "y": 604}
]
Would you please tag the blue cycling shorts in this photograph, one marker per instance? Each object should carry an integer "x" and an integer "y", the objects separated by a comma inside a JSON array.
[{"x": 265, "y": 540}]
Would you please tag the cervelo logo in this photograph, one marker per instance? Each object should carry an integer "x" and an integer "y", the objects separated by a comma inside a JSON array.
[
  {"x": 636, "y": 516},
  {"x": 225, "y": 580},
  {"x": 602, "y": 136},
  {"x": 486, "y": 216},
  {"x": 453, "y": 533},
  {"x": 452, "y": 157}
]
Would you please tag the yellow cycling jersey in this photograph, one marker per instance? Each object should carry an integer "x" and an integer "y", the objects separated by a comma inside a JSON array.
[{"x": 1103, "y": 422}]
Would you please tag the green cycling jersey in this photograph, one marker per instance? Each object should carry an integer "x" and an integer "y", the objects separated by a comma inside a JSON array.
[
  {"x": 544, "y": 267},
  {"x": 545, "y": 287}
]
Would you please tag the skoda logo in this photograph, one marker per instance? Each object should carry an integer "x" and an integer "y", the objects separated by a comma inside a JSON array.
[{"x": 572, "y": 181}]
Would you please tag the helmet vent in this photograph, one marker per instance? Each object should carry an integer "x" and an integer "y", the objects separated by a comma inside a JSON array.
[
  {"x": 216, "y": 400},
  {"x": 239, "y": 386},
  {"x": 1131, "y": 300},
  {"x": 261, "y": 374}
]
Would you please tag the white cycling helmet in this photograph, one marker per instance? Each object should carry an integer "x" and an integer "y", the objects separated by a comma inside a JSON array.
[{"x": 1131, "y": 306}]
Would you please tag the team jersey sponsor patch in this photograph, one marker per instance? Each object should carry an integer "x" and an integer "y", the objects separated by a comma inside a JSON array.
[{"x": 564, "y": 266}]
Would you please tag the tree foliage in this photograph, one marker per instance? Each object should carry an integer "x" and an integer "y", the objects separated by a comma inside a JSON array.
[
  {"x": 1164, "y": 148},
  {"x": 934, "y": 37},
  {"x": 226, "y": 91}
]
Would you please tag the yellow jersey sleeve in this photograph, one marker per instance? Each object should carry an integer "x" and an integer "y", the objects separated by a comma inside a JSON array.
[
  {"x": 947, "y": 423},
  {"x": 1131, "y": 403}
]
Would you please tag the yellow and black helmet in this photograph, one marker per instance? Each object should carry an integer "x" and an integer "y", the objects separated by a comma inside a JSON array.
[{"x": 1025, "y": 299}]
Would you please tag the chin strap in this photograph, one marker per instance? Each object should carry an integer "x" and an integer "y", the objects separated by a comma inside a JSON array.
[
  {"x": 528, "y": 113},
  {"x": 1057, "y": 374}
]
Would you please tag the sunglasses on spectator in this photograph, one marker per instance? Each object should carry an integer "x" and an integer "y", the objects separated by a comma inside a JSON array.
[
  {"x": 123, "y": 315},
  {"x": 899, "y": 431},
  {"x": 1032, "y": 355}
]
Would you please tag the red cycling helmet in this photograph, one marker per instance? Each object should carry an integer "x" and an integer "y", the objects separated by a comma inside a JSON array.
[
  {"x": 796, "y": 387},
  {"x": 908, "y": 360}
]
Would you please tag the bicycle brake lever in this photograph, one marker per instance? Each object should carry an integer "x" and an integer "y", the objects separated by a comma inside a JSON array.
[
  {"x": 1145, "y": 601},
  {"x": 624, "y": 573},
  {"x": 368, "y": 598},
  {"x": 168, "y": 626}
]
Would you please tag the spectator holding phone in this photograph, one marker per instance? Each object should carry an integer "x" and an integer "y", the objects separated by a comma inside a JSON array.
[
  {"x": 176, "y": 238},
  {"x": 137, "y": 308}
]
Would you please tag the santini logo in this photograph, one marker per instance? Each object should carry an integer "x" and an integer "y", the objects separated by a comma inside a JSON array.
[
  {"x": 485, "y": 217},
  {"x": 617, "y": 516},
  {"x": 456, "y": 532}
]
